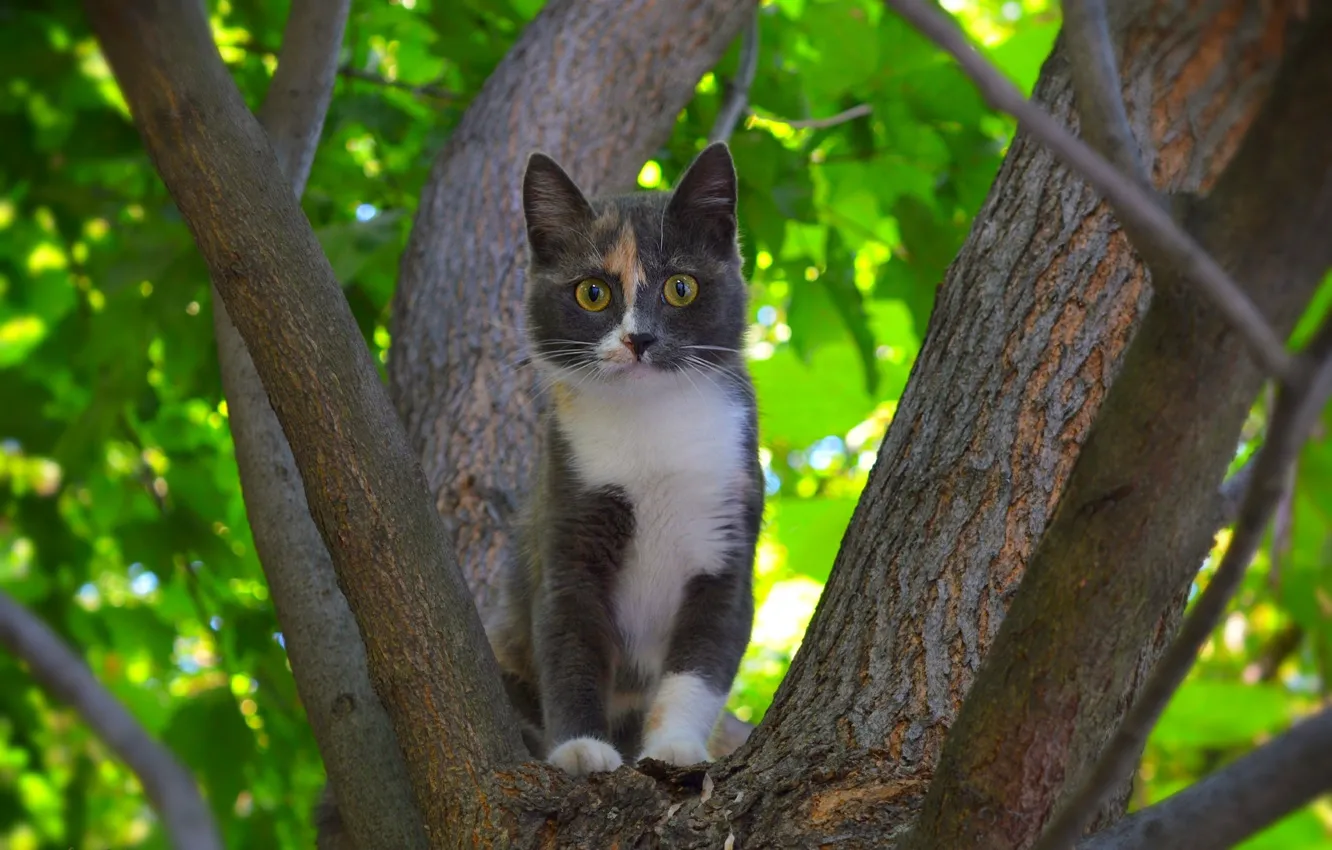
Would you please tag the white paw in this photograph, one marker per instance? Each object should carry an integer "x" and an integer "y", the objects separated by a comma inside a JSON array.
[
  {"x": 680, "y": 752},
  {"x": 581, "y": 756}
]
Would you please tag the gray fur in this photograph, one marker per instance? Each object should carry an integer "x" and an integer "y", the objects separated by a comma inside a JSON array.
[{"x": 556, "y": 632}]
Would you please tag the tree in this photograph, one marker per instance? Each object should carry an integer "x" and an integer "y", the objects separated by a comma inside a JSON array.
[{"x": 1068, "y": 407}]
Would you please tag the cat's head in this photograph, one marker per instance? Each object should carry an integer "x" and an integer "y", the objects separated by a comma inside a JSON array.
[{"x": 625, "y": 288}]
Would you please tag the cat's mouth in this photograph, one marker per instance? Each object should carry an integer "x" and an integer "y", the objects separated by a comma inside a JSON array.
[
  {"x": 630, "y": 367},
  {"x": 627, "y": 360}
]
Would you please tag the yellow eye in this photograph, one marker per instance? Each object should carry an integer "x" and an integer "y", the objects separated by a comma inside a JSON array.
[
  {"x": 593, "y": 294},
  {"x": 681, "y": 290}
]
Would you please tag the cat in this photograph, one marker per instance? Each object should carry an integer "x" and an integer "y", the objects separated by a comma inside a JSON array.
[{"x": 625, "y": 613}]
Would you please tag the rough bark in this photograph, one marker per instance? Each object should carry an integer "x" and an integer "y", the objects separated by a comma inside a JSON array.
[
  {"x": 1131, "y": 527},
  {"x": 355, "y": 737},
  {"x": 426, "y": 650},
  {"x": 598, "y": 85},
  {"x": 1027, "y": 333}
]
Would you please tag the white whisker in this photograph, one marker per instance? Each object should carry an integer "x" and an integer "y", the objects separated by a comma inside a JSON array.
[
  {"x": 704, "y": 369},
  {"x": 692, "y": 382},
  {"x": 712, "y": 348}
]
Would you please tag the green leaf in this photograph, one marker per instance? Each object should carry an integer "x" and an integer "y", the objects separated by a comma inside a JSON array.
[
  {"x": 210, "y": 736},
  {"x": 1021, "y": 56},
  {"x": 1220, "y": 714},
  {"x": 847, "y": 46},
  {"x": 351, "y": 245},
  {"x": 1302, "y": 830},
  {"x": 801, "y": 402},
  {"x": 1313, "y": 315},
  {"x": 839, "y": 282},
  {"x": 812, "y": 530}
]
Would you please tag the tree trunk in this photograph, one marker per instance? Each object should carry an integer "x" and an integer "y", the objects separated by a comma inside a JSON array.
[
  {"x": 1028, "y": 332},
  {"x": 1104, "y": 587},
  {"x": 394, "y": 562},
  {"x": 360, "y": 752}
]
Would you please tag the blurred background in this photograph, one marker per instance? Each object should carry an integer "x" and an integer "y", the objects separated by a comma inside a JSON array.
[{"x": 121, "y": 520}]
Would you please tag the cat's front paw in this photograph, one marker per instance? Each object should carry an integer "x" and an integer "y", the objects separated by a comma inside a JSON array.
[
  {"x": 680, "y": 752},
  {"x": 581, "y": 756}
]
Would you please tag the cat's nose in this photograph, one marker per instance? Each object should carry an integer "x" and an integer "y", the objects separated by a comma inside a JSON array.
[{"x": 638, "y": 343}]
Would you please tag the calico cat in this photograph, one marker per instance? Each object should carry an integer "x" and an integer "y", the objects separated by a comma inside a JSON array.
[{"x": 626, "y": 611}]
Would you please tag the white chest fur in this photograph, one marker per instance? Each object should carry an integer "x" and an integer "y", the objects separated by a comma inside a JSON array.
[{"x": 677, "y": 450}]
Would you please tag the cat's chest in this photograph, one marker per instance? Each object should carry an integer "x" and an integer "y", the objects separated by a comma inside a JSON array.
[
  {"x": 677, "y": 454},
  {"x": 680, "y": 460}
]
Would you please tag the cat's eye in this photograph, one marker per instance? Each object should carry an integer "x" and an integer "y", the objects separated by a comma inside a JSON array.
[
  {"x": 681, "y": 290},
  {"x": 592, "y": 294}
]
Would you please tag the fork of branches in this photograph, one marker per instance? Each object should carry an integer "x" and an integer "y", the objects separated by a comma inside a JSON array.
[{"x": 1111, "y": 161}]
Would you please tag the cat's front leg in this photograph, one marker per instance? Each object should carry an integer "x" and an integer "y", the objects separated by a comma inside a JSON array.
[
  {"x": 709, "y": 637},
  {"x": 574, "y": 651}
]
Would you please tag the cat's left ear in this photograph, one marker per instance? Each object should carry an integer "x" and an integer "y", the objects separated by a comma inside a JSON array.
[
  {"x": 704, "y": 199},
  {"x": 555, "y": 209}
]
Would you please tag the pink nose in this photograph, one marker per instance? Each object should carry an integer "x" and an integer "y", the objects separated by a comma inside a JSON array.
[{"x": 638, "y": 343}]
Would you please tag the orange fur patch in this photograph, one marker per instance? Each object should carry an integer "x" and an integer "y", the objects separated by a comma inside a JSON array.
[
  {"x": 622, "y": 260},
  {"x": 561, "y": 395},
  {"x": 654, "y": 719}
]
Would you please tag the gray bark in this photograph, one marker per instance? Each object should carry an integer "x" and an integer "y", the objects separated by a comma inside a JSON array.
[
  {"x": 394, "y": 561},
  {"x": 1028, "y": 332},
  {"x": 328, "y": 661},
  {"x": 1104, "y": 588}
]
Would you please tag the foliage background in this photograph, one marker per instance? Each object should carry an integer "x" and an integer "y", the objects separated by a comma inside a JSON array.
[{"x": 121, "y": 520}]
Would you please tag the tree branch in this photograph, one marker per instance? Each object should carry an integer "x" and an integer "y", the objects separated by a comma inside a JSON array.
[
  {"x": 1232, "y": 494},
  {"x": 170, "y": 787},
  {"x": 298, "y": 97},
  {"x": 736, "y": 104},
  {"x": 1238, "y": 800},
  {"x": 355, "y": 737},
  {"x": 1268, "y": 665},
  {"x": 860, "y": 110},
  {"x": 1095, "y": 72},
  {"x": 425, "y": 90},
  {"x": 1104, "y": 122},
  {"x": 426, "y": 651},
  {"x": 1130, "y": 201},
  {"x": 1103, "y": 586},
  {"x": 1295, "y": 415}
]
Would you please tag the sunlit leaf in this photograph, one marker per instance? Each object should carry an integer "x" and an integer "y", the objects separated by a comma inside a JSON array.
[{"x": 1195, "y": 717}]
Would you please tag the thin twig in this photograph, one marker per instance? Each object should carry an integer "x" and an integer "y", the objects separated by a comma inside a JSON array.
[
  {"x": 169, "y": 786},
  {"x": 1131, "y": 201},
  {"x": 424, "y": 90},
  {"x": 1236, "y": 801},
  {"x": 736, "y": 104},
  {"x": 1294, "y": 417},
  {"x": 351, "y": 72},
  {"x": 1096, "y": 83},
  {"x": 1232, "y": 494},
  {"x": 1281, "y": 527},
  {"x": 860, "y": 110},
  {"x": 1283, "y": 645}
]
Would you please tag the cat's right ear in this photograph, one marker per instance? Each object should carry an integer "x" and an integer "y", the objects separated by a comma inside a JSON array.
[{"x": 557, "y": 213}]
